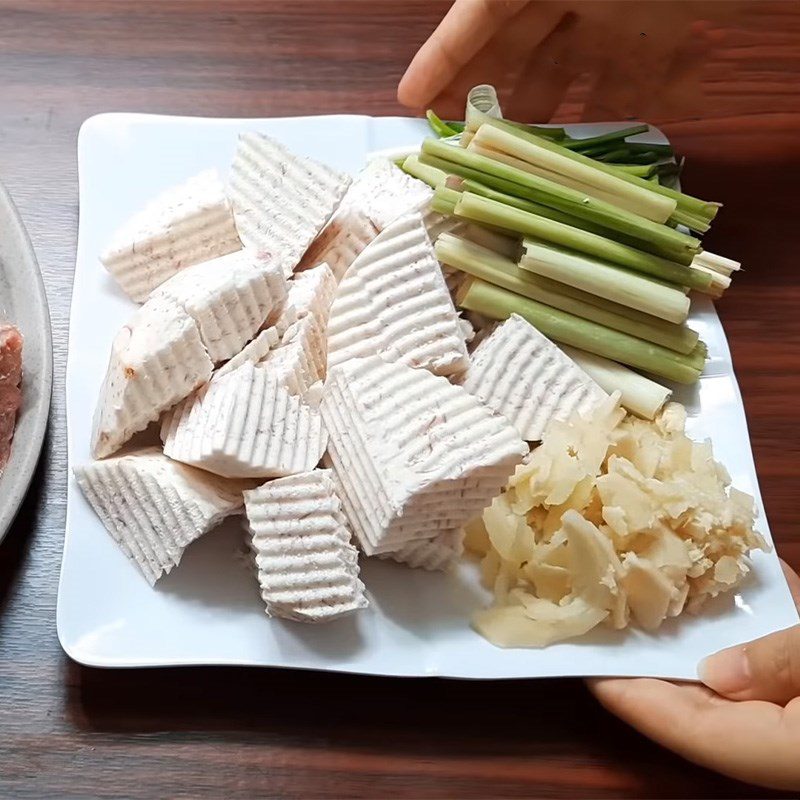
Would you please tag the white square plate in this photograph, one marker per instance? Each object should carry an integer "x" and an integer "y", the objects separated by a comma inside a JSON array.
[{"x": 208, "y": 610}]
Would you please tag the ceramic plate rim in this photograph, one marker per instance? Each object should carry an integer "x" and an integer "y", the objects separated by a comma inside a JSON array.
[{"x": 20, "y": 268}]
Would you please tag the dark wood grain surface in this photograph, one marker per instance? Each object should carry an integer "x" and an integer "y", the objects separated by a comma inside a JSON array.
[{"x": 70, "y": 732}]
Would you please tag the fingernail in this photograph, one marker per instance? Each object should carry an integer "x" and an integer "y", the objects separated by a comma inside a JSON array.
[{"x": 726, "y": 672}]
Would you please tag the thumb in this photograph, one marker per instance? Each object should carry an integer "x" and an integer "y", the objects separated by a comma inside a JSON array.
[{"x": 765, "y": 669}]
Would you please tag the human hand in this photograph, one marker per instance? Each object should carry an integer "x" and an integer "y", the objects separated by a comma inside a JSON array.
[
  {"x": 643, "y": 59},
  {"x": 744, "y": 723}
]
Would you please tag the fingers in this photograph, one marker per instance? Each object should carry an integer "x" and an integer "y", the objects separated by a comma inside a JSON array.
[
  {"x": 657, "y": 709},
  {"x": 681, "y": 93},
  {"x": 766, "y": 669},
  {"x": 751, "y": 741},
  {"x": 465, "y": 29},
  {"x": 630, "y": 60},
  {"x": 545, "y": 77}
]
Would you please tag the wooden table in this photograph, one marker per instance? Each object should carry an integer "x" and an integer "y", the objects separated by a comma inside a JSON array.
[{"x": 66, "y": 731}]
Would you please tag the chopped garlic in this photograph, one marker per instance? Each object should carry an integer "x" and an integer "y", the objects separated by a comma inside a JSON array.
[{"x": 612, "y": 519}]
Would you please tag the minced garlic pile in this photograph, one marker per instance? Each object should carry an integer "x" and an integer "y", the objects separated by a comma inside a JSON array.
[{"x": 612, "y": 520}]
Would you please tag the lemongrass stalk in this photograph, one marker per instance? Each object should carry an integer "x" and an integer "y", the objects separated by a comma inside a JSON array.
[
  {"x": 444, "y": 200},
  {"x": 553, "y": 133},
  {"x": 465, "y": 138},
  {"x": 483, "y": 210},
  {"x": 701, "y": 208},
  {"x": 430, "y": 175},
  {"x": 604, "y": 138},
  {"x": 698, "y": 357},
  {"x": 497, "y": 303},
  {"x": 439, "y": 126},
  {"x": 650, "y": 236},
  {"x": 653, "y": 207},
  {"x": 563, "y": 180},
  {"x": 492, "y": 267},
  {"x": 719, "y": 283},
  {"x": 679, "y": 338},
  {"x": 465, "y": 184},
  {"x": 482, "y": 104},
  {"x": 720, "y": 264},
  {"x": 472, "y": 181},
  {"x": 441, "y": 206},
  {"x": 533, "y": 244},
  {"x": 691, "y": 221},
  {"x": 446, "y": 193},
  {"x": 610, "y": 282},
  {"x": 640, "y": 395},
  {"x": 507, "y": 246},
  {"x": 715, "y": 293},
  {"x": 476, "y": 187}
]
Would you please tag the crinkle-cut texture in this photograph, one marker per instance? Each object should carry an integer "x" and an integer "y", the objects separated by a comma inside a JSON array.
[
  {"x": 157, "y": 360},
  {"x": 380, "y": 194},
  {"x": 307, "y": 565},
  {"x": 281, "y": 201},
  {"x": 282, "y": 317},
  {"x": 612, "y": 519},
  {"x": 522, "y": 375},
  {"x": 154, "y": 507},
  {"x": 384, "y": 193},
  {"x": 311, "y": 293},
  {"x": 10, "y": 392},
  {"x": 229, "y": 298},
  {"x": 243, "y": 425},
  {"x": 414, "y": 455},
  {"x": 341, "y": 241},
  {"x": 300, "y": 360},
  {"x": 252, "y": 353},
  {"x": 393, "y": 302},
  {"x": 185, "y": 225},
  {"x": 293, "y": 341},
  {"x": 437, "y": 554}
]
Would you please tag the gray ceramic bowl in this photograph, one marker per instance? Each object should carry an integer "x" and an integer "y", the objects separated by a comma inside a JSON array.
[{"x": 23, "y": 302}]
